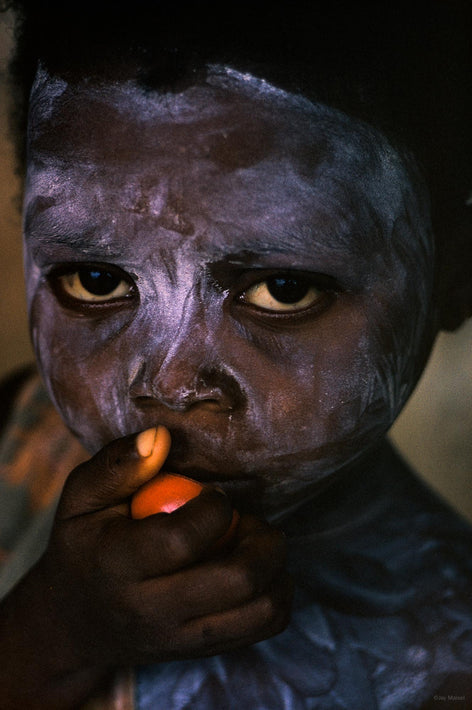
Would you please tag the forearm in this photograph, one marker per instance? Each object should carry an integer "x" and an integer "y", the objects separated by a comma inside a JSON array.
[{"x": 39, "y": 667}]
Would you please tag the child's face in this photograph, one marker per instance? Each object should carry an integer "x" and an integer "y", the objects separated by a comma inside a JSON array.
[{"x": 231, "y": 262}]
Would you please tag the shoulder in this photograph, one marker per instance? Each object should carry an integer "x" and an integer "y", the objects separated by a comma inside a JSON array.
[
  {"x": 379, "y": 541},
  {"x": 392, "y": 573}
]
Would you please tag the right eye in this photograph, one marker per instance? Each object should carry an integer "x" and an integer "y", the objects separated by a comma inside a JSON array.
[{"x": 94, "y": 284}]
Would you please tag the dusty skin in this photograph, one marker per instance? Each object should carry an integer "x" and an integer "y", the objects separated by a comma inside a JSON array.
[{"x": 193, "y": 202}]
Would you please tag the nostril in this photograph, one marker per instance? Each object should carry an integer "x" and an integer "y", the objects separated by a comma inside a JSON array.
[
  {"x": 201, "y": 396},
  {"x": 210, "y": 404},
  {"x": 212, "y": 391},
  {"x": 213, "y": 405}
]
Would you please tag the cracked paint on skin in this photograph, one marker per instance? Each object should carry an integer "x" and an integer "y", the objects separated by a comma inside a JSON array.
[{"x": 193, "y": 195}]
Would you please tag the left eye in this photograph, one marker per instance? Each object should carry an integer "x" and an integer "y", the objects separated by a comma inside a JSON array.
[
  {"x": 94, "y": 285},
  {"x": 283, "y": 293}
]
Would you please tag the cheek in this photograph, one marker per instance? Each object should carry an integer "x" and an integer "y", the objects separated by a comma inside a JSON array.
[
  {"x": 338, "y": 397},
  {"x": 322, "y": 397},
  {"x": 85, "y": 369}
]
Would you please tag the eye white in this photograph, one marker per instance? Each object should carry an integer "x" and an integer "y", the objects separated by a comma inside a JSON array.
[
  {"x": 79, "y": 285},
  {"x": 260, "y": 295}
]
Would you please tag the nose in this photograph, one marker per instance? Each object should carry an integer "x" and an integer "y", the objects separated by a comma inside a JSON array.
[{"x": 191, "y": 374}]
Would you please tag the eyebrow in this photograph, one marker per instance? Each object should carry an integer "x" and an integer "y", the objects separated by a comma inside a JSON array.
[
  {"x": 81, "y": 242},
  {"x": 303, "y": 240},
  {"x": 247, "y": 257},
  {"x": 80, "y": 235},
  {"x": 252, "y": 243},
  {"x": 43, "y": 228},
  {"x": 251, "y": 248}
]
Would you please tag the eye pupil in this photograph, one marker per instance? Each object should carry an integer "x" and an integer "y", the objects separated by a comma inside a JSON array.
[
  {"x": 287, "y": 289},
  {"x": 98, "y": 282}
]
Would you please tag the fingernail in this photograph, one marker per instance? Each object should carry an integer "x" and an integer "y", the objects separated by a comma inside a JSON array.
[{"x": 145, "y": 442}]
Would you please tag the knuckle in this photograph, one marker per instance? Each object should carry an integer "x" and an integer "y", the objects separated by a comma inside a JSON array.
[
  {"x": 179, "y": 546},
  {"x": 117, "y": 454},
  {"x": 242, "y": 578},
  {"x": 274, "y": 615},
  {"x": 268, "y": 609},
  {"x": 107, "y": 466},
  {"x": 176, "y": 547},
  {"x": 70, "y": 491},
  {"x": 214, "y": 510}
]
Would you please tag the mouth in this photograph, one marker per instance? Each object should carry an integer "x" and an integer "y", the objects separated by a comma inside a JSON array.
[
  {"x": 245, "y": 492},
  {"x": 200, "y": 459}
]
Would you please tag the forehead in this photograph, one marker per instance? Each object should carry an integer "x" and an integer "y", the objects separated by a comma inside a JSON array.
[
  {"x": 230, "y": 144},
  {"x": 233, "y": 120}
]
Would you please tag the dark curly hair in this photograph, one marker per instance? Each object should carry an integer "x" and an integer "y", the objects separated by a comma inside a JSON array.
[{"x": 402, "y": 67}]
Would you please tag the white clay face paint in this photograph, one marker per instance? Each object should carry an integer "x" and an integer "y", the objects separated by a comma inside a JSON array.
[{"x": 195, "y": 198}]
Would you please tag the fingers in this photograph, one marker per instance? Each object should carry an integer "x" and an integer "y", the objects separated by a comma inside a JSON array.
[
  {"x": 260, "y": 618},
  {"x": 148, "y": 590},
  {"x": 114, "y": 473},
  {"x": 235, "y": 581},
  {"x": 230, "y": 580},
  {"x": 164, "y": 543},
  {"x": 220, "y": 604}
]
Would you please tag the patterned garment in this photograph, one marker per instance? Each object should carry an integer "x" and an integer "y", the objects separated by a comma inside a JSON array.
[
  {"x": 382, "y": 617},
  {"x": 37, "y": 452}
]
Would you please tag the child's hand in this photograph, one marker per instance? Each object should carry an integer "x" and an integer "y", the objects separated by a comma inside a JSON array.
[
  {"x": 122, "y": 591},
  {"x": 145, "y": 587}
]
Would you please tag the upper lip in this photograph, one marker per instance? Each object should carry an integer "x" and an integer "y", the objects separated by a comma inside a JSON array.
[
  {"x": 196, "y": 457},
  {"x": 192, "y": 454}
]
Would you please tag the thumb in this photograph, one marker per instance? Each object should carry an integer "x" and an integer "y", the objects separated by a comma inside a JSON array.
[{"x": 114, "y": 473}]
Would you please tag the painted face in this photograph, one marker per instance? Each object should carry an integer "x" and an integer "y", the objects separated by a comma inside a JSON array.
[{"x": 245, "y": 267}]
